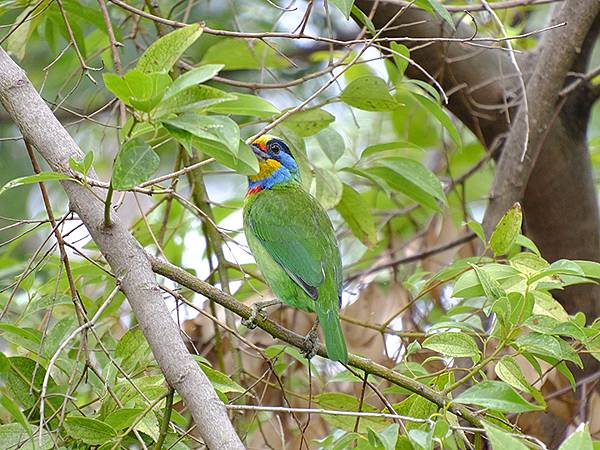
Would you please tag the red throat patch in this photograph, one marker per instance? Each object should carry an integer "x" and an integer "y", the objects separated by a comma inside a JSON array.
[{"x": 253, "y": 190}]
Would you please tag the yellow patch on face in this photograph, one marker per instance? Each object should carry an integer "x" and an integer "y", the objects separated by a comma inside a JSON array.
[
  {"x": 266, "y": 168},
  {"x": 262, "y": 141}
]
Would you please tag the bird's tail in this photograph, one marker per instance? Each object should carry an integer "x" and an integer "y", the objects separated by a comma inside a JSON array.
[{"x": 334, "y": 337}]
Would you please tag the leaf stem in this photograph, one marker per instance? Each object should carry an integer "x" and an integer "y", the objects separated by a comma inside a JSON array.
[
  {"x": 107, "y": 205},
  {"x": 164, "y": 428},
  {"x": 475, "y": 369}
]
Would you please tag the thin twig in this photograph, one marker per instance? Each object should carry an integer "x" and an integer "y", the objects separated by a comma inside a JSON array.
[{"x": 62, "y": 346}]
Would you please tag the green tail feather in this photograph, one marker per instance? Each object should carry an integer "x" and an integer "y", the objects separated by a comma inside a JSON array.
[{"x": 334, "y": 337}]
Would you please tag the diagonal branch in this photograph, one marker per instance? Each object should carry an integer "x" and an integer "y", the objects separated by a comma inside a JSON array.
[
  {"x": 186, "y": 279},
  {"x": 125, "y": 256}
]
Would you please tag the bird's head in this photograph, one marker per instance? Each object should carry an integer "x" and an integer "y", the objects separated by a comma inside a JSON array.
[
  {"x": 270, "y": 147},
  {"x": 275, "y": 161}
]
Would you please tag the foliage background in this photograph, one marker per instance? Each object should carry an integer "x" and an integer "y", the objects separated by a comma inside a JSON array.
[{"x": 387, "y": 207}]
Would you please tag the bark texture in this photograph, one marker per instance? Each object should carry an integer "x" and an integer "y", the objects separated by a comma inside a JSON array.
[{"x": 125, "y": 256}]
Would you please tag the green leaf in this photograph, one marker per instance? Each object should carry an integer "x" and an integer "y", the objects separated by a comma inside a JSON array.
[
  {"x": 214, "y": 136},
  {"x": 468, "y": 284},
  {"x": 162, "y": 55},
  {"x": 546, "y": 345},
  {"x": 57, "y": 333},
  {"x": 195, "y": 76},
  {"x": 355, "y": 211},
  {"x": 217, "y": 129},
  {"x": 549, "y": 325},
  {"x": 149, "y": 426},
  {"x": 528, "y": 263},
  {"x": 388, "y": 180},
  {"x": 84, "y": 165},
  {"x": 388, "y": 149},
  {"x": 477, "y": 228},
  {"x": 141, "y": 90},
  {"x": 417, "y": 174},
  {"x": 491, "y": 287},
  {"x": 238, "y": 54},
  {"x": 344, "y": 402},
  {"x": 345, "y": 6},
  {"x": 436, "y": 110},
  {"x": 363, "y": 19},
  {"x": 123, "y": 418},
  {"x": 501, "y": 439},
  {"x": 91, "y": 431},
  {"x": 590, "y": 269},
  {"x": 14, "y": 436},
  {"x": 438, "y": 8},
  {"x": 421, "y": 439},
  {"x": 117, "y": 85},
  {"x": 132, "y": 350},
  {"x": 400, "y": 49},
  {"x": 134, "y": 164},
  {"x": 246, "y": 105},
  {"x": 28, "y": 338},
  {"x": 510, "y": 372},
  {"x": 560, "y": 267},
  {"x": 308, "y": 122},
  {"x": 4, "y": 363},
  {"x": 47, "y": 301},
  {"x": 496, "y": 395},
  {"x": 220, "y": 381},
  {"x": 194, "y": 98},
  {"x": 16, "y": 413},
  {"x": 147, "y": 90},
  {"x": 524, "y": 241},
  {"x": 369, "y": 93},
  {"x": 412, "y": 179},
  {"x": 378, "y": 180},
  {"x": 329, "y": 188},
  {"x": 579, "y": 440},
  {"x": 453, "y": 344},
  {"x": 507, "y": 230},
  {"x": 28, "y": 20},
  {"x": 421, "y": 87},
  {"x": 332, "y": 144},
  {"x": 387, "y": 437},
  {"x": 546, "y": 305},
  {"x": 37, "y": 178}
]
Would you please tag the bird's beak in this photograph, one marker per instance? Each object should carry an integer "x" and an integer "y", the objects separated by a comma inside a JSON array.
[{"x": 259, "y": 153}]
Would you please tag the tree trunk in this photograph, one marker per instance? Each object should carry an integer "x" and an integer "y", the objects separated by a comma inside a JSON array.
[
  {"x": 554, "y": 182},
  {"x": 125, "y": 256}
]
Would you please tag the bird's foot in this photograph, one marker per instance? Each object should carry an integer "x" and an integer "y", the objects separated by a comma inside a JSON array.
[
  {"x": 311, "y": 341},
  {"x": 258, "y": 309}
]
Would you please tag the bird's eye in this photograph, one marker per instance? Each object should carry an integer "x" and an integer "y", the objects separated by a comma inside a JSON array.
[{"x": 274, "y": 147}]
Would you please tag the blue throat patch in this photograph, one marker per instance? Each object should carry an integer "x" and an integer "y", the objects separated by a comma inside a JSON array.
[{"x": 290, "y": 164}]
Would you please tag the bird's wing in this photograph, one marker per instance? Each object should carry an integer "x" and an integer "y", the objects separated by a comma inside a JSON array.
[{"x": 296, "y": 232}]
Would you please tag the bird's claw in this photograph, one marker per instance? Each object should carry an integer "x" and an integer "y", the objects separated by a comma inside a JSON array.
[
  {"x": 311, "y": 343},
  {"x": 258, "y": 309},
  {"x": 250, "y": 322}
]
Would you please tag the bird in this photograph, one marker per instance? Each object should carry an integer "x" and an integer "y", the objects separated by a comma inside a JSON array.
[{"x": 294, "y": 244}]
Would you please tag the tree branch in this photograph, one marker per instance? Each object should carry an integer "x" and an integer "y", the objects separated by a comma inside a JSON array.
[
  {"x": 186, "y": 279},
  {"x": 126, "y": 258},
  {"x": 557, "y": 54}
]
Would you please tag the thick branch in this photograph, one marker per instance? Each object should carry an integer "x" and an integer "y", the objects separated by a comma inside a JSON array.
[
  {"x": 557, "y": 54},
  {"x": 125, "y": 256}
]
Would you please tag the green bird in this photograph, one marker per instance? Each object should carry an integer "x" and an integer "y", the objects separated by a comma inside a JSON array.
[{"x": 293, "y": 242}]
